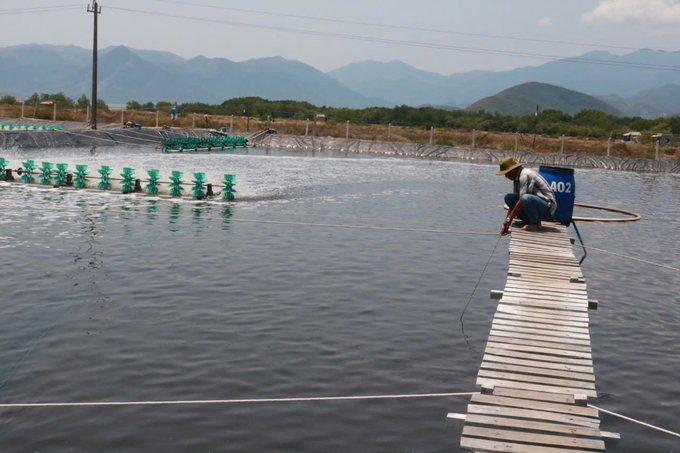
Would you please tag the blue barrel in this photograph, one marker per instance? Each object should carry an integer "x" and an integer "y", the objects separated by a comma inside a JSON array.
[
  {"x": 224, "y": 128},
  {"x": 563, "y": 185}
]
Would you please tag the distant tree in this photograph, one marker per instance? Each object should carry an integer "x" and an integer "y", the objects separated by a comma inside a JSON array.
[
  {"x": 83, "y": 102},
  {"x": 8, "y": 100},
  {"x": 101, "y": 105},
  {"x": 34, "y": 97},
  {"x": 133, "y": 105},
  {"x": 60, "y": 98},
  {"x": 148, "y": 106},
  {"x": 163, "y": 104}
]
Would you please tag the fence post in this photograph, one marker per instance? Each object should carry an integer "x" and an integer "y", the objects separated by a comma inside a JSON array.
[
  {"x": 122, "y": 116},
  {"x": 23, "y": 104},
  {"x": 314, "y": 130},
  {"x": 657, "y": 148},
  {"x": 55, "y": 111},
  {"x": 431, "y": 135},
  {"x": 389, "y": 132},
  {"x": 347, "y": 131},
  {"x": 307, "y": 128},
  {"x": 609, "y": 146},
  {"x": 87, "y": 114},
  {"x": 157, "y": 114},
  {"x": 473, "y": 137},
  {"x": 231, "y": 124},
  {"x": 516, "y": 141},
  {"x": 269, "y": 123},
  {"x": 193, "y": 121},
  {"x": 562, "y": 148}
]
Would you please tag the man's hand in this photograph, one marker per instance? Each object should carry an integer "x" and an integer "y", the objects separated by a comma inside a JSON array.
[{"x": 505, "y": 229}]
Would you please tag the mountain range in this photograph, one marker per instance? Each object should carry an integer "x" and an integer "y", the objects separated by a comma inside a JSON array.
[
  {"x": 145, "y": 75},
  {"x": 126, "y": 74}
]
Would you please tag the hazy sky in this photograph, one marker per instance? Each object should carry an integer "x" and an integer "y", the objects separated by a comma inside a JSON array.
[{"x": 630, "y": 23}]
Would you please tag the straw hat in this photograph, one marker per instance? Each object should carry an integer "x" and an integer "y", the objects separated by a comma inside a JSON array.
[{"x": 508, "y": 164}]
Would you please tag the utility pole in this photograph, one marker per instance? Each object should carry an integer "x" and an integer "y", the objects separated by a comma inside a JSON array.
[
  {"x": 535, "y": 126},
  {"x": 96, "y": 10}
]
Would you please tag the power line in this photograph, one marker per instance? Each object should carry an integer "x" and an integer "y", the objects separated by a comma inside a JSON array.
[
  {"x": 47, "y": 9},
  {"x": 415, "y": 43},
  {"x": 401, "y": 27}
]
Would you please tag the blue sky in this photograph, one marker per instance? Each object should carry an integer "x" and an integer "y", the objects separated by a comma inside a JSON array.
[{"x": 631, "y": 23}]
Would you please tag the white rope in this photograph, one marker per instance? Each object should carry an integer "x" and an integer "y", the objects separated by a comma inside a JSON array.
[
  {"x": 634, "y": 259},
  {"x": 635, "y": 421},
  {"x": 351, "y": 227},
  {"x": 237, "y": 401}
]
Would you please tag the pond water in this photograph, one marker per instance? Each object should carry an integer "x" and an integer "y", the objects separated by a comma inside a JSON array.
[{"x": 110, "y": 297}]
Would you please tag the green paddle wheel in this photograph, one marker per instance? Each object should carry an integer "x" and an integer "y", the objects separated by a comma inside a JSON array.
[
  {"x": 152, "y": 187},
  {"x": 128, "y": 182},
  {"x": 60, "y": 175},
  {"x": 80, "y": 178},
  {"x": 176, "y": 185},
  {"x": 3, "y": 164},
  {"x": 199, "y": 185},
  {"x": 29, "y": 168},
  {"x": 229, "y": 191},
  {"x": 104, "y": 183},
  {"x": 46, "y": 173}
]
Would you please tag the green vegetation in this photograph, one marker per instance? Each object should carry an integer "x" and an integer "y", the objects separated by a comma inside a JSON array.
[
  {"x": 586, "y": 123},
  {"x": 134, "y": 105},
  {"x": 10, "y": 100},
  {"x": 83, "y": 102},
  {"x": 522, "y": 100}
]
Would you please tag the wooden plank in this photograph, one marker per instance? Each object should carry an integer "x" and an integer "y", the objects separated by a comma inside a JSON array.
[
  {"x": 557, "y": 382},
  {"x": 533, "y": 426},
  {"x": 533, "y": 386},
  {"x": 544, "y": 298},
  {"x": 546, "y": 251},
  {"x": 529, "y": 293},
  {"x": 538, "y": 371},
  {"x": 536, "y": 312},
  {"x": 528, "y": 289},
  {"x": 540, "y": 283},
  {"x": 533, "y": 415},
  {"x": 514, "y": 345},
  {"x": 553, "y": 274},
  {"x": 544, "y": 264},
  {"x": 547, "y": 299},
  {"x": 513, "y": 339},
  {"x": 546, "y": 340},
  {"x": 543, "y": 439},
  {"x": 540, "y": 248},
  {"x": 563, "y": 283},
  {"x": 500, "y": 325},
  {"x": 490, "y": 356},
  {"x": 562, "y": 241},
  {"x": 483, "y": 446},
  {"x": 540, "y": 304},
  {"x": 547, "y": 282},
  {"x": 561, "y": 298},
  {"x": 560, "y": 408},
  {"x": 537, "y": 396},
  {"x": 534, "y": 323},
  {"x": 531, "y": 319}
]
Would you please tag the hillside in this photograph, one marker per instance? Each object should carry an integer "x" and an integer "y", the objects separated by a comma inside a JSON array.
[
  {"x": 144, "y": 75},
  {"x": 522, "y": 100},
  {"x": 397, "y": 82}
]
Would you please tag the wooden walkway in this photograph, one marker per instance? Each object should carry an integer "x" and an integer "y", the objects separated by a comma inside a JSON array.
[{"x": 537, "y": 372}]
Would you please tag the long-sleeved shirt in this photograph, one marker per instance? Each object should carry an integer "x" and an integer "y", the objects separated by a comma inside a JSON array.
[{"x": 530, "y": 182}]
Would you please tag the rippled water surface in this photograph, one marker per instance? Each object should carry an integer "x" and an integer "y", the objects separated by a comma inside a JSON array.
[{"x": 109, "y": 297}]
